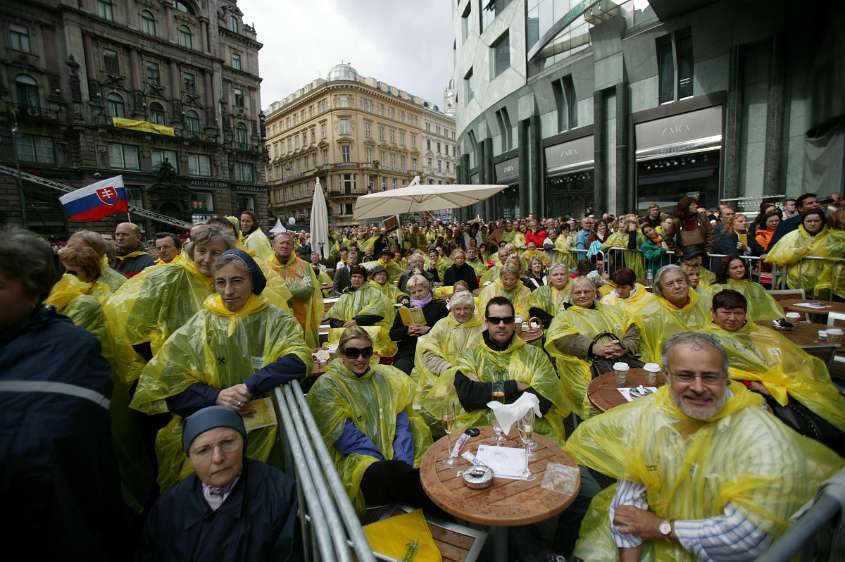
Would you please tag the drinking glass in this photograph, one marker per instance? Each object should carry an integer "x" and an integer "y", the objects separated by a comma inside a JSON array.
[
  {"x": 448, "y": 423},
  {"x": 499, "y": 396},
  {"x": 526, "y": 433}
]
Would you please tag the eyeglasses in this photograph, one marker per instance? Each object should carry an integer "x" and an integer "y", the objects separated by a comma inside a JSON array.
[
  {"x": 706, "y": 378},
  {"x": 227, "y": 446},
  {"x": 355, "y": 352},
  {"x": 500, "y": 320}
]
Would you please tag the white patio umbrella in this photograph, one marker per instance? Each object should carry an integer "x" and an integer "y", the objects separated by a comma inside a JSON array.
[
  {"x": 319, "y": 222},
  {"x": 420, "y": 197}
]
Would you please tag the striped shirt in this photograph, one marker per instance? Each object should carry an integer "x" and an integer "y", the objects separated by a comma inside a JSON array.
[{"x": 729, "y": 537}]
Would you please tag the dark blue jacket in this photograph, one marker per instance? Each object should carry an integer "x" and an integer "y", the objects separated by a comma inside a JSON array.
[{"x": 59, "y": 489}]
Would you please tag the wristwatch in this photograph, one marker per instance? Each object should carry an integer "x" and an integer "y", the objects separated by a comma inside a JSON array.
[{"x": 665, "y": 528}]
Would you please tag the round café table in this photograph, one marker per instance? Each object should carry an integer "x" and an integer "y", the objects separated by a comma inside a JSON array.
[
  {"x": 816, "y": 313},
  {"x": 603, "y": 392},
  {"x": 507, "y": 503}
]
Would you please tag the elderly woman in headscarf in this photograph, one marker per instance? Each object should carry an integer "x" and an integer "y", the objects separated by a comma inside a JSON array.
[
  {"x": 812, "y": 238},
  {"x": 406, "y": 336},
  {"x": 364, "y": 413},
  {"x": 677, "y": 308},
  {"x": 586, "y": 339},
  {"x": 508, "y": 285},
  {"x": 366, "y": 306},
  {"x": 550, "y": 299},
  {"x": 95, "y": 241},
  {"x": 246, "y": 349}
]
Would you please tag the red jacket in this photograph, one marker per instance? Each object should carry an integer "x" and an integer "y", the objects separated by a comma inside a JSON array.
[{"x": 536, "y": 237}]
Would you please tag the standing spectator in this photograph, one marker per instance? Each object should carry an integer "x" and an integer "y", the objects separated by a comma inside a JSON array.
[
  {"x": 342, "y": 280},
  {"x": 130, "y": 258},
  {"x": 299, "y": 278},
  {"x": 168, "y": 247},
  {"x": 654, "y": 217},
  {"x": 763, "y": 235},
  {"x": 58, "y": 480},
  {"x": 254, "y": 237},
  {"x": 790, "y": 208},
  {"x": 733, "y": 238},
  {"x": 582, "y": 238},
  {"x": 804, "y": 203},
  {"x": 535, "y": 234},
  {"x": 693, "y": 229},
  {"x": 654, "y": 249}
]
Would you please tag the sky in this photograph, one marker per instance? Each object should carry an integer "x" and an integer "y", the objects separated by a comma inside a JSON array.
[{"x": 405, "y": 43}]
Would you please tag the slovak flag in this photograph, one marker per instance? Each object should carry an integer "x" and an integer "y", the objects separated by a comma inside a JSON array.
[{"x": 96, "y": 201}]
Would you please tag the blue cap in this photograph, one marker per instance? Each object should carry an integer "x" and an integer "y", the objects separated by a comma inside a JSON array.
[
  {"x": 210, "y": 418},
  {"x": 259, "y": 281}
]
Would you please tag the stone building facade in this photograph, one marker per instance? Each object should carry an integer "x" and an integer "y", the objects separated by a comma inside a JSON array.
[
  {"x": 188, "y": 71},
  {"x": 610, "y": 106},
  {"x": 358, "y": 135}
]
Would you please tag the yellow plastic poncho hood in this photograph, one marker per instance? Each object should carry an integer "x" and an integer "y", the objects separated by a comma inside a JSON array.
[
  {"x": 659, "y": 320},
  {"x": 372, "y": 401},
  {"x": 366, "y": 300},
  {"x": 816, "y": 276},
  {"x": 520, "y": 362},
  {"x": 691, "y": 469},
  {"x": 298, "y": 277},
  {"x": 518, "y": 296},
  {"x": 219, "y": 349},
  {"x": 549, "y": 299},
  {"x": 761, "y": 305},
  {"x": 761, "y": 354},
  {"x": 574, "y": 372},
  {"x": 640, "y": 296}
]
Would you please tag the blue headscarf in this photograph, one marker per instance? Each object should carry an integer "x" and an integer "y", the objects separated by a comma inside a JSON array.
[{"x": 259, "y": 281}]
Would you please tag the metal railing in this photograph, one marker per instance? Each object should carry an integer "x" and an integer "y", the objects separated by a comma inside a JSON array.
[
  {"x": 818, "y": 532},
  {"x": 331, "y": 530}
]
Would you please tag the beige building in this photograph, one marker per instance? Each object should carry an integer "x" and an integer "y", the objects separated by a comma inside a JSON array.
[{"x": 358, "y": 135}]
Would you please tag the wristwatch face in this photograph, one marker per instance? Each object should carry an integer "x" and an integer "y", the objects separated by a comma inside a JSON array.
[{"x": 665, "y": 528}]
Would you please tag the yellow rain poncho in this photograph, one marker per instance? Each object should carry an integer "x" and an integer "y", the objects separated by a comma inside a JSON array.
[
  {"x": 549, "y": 299},
  {"x": 761, "y": 305},
  {"x": 757, "y": 353},
  {"x": 325, "y": 279},
  {"x": 615, "y": 248},
  {"x": 561, "y": 253},
  {"x": 258, "y": 244},
  {"x": 441, "y": 265},
  {"x": 367, "y": 301},
  {"x": 659, "y": 320},
  {"x": 639, "y": 297},
  {"x": 372, "y": 401},
  {"x": 478, "y": 266},
  {"x": 298, "y": 277},
  {"x": 706, "y": 277},
  {"x": 519, "y": 362},
  {"x": 574, "y": 372},
  {"x": 814, "y": 276},
  {"x": 518, "y": 296},
  {"x": 221, "y": 349},
  {"x": 691, "y": 469},
  {"x": 442, "y": 345},
  {"x": 72, "y": 297},
  {"x": 151, "y": 306},
  {"x": 109, "y": 276}
]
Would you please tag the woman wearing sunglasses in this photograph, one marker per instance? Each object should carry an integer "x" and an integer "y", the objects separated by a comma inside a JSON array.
[{"x": 363, "y": 411}]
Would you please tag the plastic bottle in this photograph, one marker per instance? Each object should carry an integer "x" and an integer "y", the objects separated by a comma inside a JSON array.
[{"x": 649, "y": 279}]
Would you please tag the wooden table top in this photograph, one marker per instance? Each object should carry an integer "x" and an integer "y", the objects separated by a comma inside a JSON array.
[
  {"x": 603, "y": 392},
  {"x": 790, "y": 305},
  {"x": 507, "y": 503},
  {"x": 805, "y": 334}
]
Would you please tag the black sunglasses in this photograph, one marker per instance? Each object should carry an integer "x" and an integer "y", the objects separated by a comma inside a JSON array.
[
  {"x": 355, "y": 352},
  {"x": 500, "y": 320}
]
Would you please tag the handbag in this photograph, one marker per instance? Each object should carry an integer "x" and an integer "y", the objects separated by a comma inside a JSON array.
[
  {"x": 692, "y": 237},
  {"x": 807, "y": 423},
  {"x": 600, "y": 365}
]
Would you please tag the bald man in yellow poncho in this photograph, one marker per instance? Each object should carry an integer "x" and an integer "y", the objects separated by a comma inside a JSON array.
[{"x": 298, "y": 277}]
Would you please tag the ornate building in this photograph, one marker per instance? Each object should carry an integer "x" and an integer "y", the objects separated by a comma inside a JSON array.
[
  {"x": 164, "y": 92},
  {"x": 357, "y": 135}
]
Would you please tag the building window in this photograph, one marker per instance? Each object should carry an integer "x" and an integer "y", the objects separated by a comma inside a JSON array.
[
  {"x": 401, "y": 138},
  {"x": 665, "y": 70},
  {"x": 368, "y": 129},
  {"x": 413, "y": 141},
  {"x": 124, "y": 156},
  {"x": 233, "y": 24},
  {"x": 438, "y": 148},
  {"x": 428, "y": 163},
  {"x": 111, "y": 62},
  {"x": 501, "y": 54},
  {"x": 346, "y": 153},
  {"x": 383, "y": 183},
  {"x": 184, "y": 8},
  {"x": 394, "y": 183},
  {"x": 323, "y": 130},
  {"x": 148, "y": 23},
  {"x": 505, "y": 130},
  {"x": 566, "y": 103},
  {"x": 115, "y": 106},
  {"x": 674, "y": 57},
  {"x": 428, "y": 144},
  {"x": 241, "y": 136},
  {"x": 371, "y": 183},
  {"x": 413, "y": 164},
  {"x": 26, "y": 90},
  {"x": 199, "y": 165},
  {"x": 36, "y": 148},
  {"x": 186, "y": 38},
  {"x": 468, "y": 85},
  {"x": 392, "y": 136},
  {"x": 238, "y": 93},
  {"x": 369, "y": 156},
  {"x": 202, "y": 201},
  {"x": 19, "y": 37},
  {"x": 343, "y": 101},
  {"x": 236, "y": 61},
  {"x": 190, "y": 84},
  {"x": 325, "y": 155},
  {"x": 465, "y": 22},
  {"x": 440, "y": 166},
  {"x": 381, "y": 133},
  {"x": 157, "y": 113},
  {"x": 344, "y": 126},
  {"x": 347, "y": 208},
  {"x": 391, "y": 112},
  {"x": 192, "y": 122},
  {"x": 244, "y": 172},
  {"x": 348, "y": 183},
  {"x": 159, "y": 157},
  {"x": 153, "y": 73},
  {"x": 402, "y": 162},
  {"x": 683, "y": 46},
  {"x": 105, "y": 9}
]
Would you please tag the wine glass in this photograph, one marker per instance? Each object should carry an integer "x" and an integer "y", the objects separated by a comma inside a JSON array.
[
  {"x": 499, "y": 396},
  {"x": 448, "y": 423},
  {"x": 526, "y": 432}
]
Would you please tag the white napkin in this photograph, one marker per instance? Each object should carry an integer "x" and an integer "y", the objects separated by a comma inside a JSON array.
[{"x": 507, "y": 414}]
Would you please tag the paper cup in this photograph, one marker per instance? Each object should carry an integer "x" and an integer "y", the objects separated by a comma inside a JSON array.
[
  {"x": 793, "y": 316},
  {"x": 651, "y": 372},
  {"x": 620, "y": 370}
]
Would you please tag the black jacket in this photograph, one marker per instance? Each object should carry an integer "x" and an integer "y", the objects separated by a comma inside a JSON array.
[
  {"x": 130, "y": 267},
  {"x": 407, "y": 345},
  {"x": 466, "y": 273},
  {"x": 257, "y": 522}
]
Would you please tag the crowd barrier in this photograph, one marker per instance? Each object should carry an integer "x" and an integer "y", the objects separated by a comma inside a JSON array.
[{"x": 330, "y": 527}]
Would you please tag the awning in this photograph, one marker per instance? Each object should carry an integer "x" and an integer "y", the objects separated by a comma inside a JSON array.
[
  {"x": 572, "y": 156},
  {"x": 142, "y": 126},
  {"x": 685, "y": 133}
]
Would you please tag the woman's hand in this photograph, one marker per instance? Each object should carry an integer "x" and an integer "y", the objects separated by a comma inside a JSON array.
[
  {"x": 235, "y": 396},
  {"x": 610, "y": 350}
]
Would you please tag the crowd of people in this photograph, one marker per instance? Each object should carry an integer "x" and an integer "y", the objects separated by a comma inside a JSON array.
[{"x": 136, "y": 375}]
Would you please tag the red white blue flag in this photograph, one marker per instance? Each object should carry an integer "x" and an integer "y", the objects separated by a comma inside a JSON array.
[{"x": 96, "y": 201}]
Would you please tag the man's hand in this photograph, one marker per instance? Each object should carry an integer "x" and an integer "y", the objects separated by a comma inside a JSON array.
[{"x": 632, "y": 520}]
